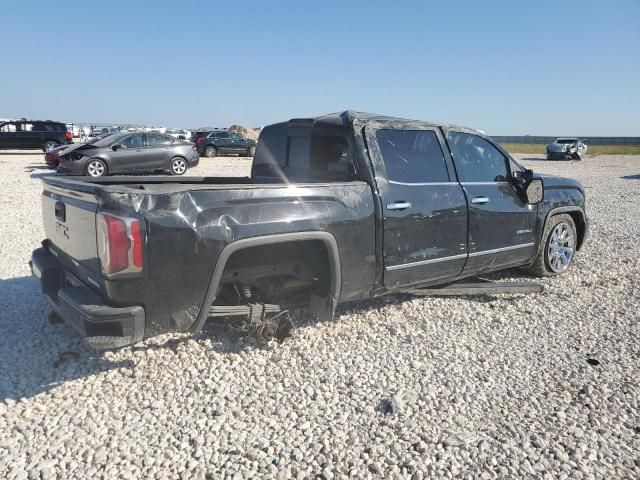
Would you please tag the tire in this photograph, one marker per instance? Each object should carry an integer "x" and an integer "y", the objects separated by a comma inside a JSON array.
[
  {"x": 178, "y": 166},
  {"x": 558, "y": 248},
  {"x": 210, "y": 151},
  {"x": 251, "y": 151},
  {"x": 49, "y": 145},
  {"x": 96, "y": 168}
]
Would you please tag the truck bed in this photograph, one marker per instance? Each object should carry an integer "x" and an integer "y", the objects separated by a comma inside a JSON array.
[{"x": 189, "y": 221}]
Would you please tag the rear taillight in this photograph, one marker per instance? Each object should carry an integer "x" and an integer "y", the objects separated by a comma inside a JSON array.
[
  {"x": 200, "y": 139},
  {"x": 68, "y": 135},
  {"x": 120, "y": 244}
]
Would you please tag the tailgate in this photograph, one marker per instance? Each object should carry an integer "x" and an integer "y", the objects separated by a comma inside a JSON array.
[{"x": 69, "y": 218}]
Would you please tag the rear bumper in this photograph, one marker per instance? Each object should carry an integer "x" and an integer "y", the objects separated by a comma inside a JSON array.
[
  {"x": 102, "y": 325},
  {"x": 194, "y": 159}
]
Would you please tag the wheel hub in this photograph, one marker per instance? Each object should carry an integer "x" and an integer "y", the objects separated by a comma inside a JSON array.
[{"x": 561, "y": 247}]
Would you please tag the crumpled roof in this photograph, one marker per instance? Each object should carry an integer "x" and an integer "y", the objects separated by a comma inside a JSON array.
[{"x": 350, "y": 117}]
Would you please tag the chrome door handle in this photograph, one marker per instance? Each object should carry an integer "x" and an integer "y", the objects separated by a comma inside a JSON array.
[
  {"x": 398, "y": 205},
  {"x": 480, "y": 200}
]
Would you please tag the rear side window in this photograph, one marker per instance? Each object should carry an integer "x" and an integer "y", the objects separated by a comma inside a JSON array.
[
  {"x": 476, "y": 159},
  {"x": 154, "y": 139},
  {"x": 412, "y": 156},
  {"x": 323, "y": 156}
]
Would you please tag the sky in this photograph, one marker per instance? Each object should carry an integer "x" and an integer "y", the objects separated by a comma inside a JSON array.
[{"x": 505, "y": 67}]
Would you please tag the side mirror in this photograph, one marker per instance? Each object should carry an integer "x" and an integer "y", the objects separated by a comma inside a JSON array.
[
  {"x": 116, "y": 147},
  {"x": 535, "y": 191}
]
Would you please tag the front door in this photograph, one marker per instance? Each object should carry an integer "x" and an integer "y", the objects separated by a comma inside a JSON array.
[
  {"x": 424, "y": 207},
  {"x": 9, "y": 135},
  {"x": 502, "y": 225},
  {"x": 130, "y": 156}
]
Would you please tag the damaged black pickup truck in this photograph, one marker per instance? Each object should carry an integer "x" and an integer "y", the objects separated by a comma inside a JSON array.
[{"x": 337, "y": 208}]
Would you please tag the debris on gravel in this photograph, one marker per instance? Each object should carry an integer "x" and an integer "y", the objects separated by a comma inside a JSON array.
[{"x": 540, "y": 386}]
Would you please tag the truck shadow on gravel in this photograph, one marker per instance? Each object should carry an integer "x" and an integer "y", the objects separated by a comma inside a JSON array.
[{"x": 35, "y": 355}]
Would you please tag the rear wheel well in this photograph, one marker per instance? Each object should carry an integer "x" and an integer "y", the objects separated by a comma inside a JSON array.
[{"x": 283, "y": 273}]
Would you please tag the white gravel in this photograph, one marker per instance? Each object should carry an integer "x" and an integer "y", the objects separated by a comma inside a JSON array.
[{"x": 490, "y": 387}]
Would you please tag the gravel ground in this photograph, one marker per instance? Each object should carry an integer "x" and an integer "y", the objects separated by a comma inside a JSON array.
[{"x": 544, "y": 386}]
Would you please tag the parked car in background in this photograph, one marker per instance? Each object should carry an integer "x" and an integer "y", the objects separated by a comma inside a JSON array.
[
  {"x": 179, "y": 134},
  {"x": 126, "y": 152},
  {"x": 224, "y": 143},
  {"x": 97, "y": 131},
  {"x": 28, "y": 134},
  {"x": 51, "y": 157},
  {"x": 566, "y": 148}
]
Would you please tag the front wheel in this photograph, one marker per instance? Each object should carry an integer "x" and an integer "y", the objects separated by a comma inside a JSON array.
[
  {"x": 558, "y": 247},
  {"x": 178, "y": 166},
  {"x": 96, "y": 168}
]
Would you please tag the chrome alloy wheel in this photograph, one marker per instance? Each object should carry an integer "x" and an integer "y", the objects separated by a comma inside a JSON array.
[
  {"x": 178, "y": 166},
  {"x": 561, "y": 247},
  {"x": 95, "y": 168}
]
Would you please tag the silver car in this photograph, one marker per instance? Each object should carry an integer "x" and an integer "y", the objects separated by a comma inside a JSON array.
[
  {"x": 122, "y": 153},
  {"x": 566, "y": 148}
]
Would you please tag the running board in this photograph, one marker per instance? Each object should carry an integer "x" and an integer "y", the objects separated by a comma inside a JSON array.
[{"x": 479, "y": 286}]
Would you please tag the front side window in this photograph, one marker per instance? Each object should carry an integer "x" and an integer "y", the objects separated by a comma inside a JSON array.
[
  {"x": 412, "y": 156},
  {"x": 476, "y": 159}
]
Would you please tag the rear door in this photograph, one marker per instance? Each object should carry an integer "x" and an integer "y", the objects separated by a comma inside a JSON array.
[
  {"x": 223, "y": 142},
  {"x": 501, "y": 224},
  {"x": 130, "y": 156},
  {"x": 238, "y": 144},
  {"x": 26, "y": 136},
  {"x": 158, "y": 151},
  {"x": 424, "y": 207}
]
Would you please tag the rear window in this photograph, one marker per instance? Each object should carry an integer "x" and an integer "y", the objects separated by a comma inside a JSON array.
[
  {"x": 566, "y": 141},
  {"x": 307, "y": 154}
]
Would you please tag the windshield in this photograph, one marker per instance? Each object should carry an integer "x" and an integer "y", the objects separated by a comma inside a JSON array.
[
  {"x": 565, "y": 141},
  {"x": 109, "y": 139}
]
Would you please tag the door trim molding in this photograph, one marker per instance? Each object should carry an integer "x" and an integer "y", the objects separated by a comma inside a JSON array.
[
  {"x": 424, "y": 262},
  {"x": 503, "y": 249}
]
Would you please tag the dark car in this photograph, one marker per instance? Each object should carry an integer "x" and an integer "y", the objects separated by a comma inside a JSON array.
[
  {"x": 28, "y": 134},
  {"x": 338, "y": 208},
  {"x": 129, "y": 153},
  {"x": 211, "y": 144},
  {"x": 51, "y": 157}
]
